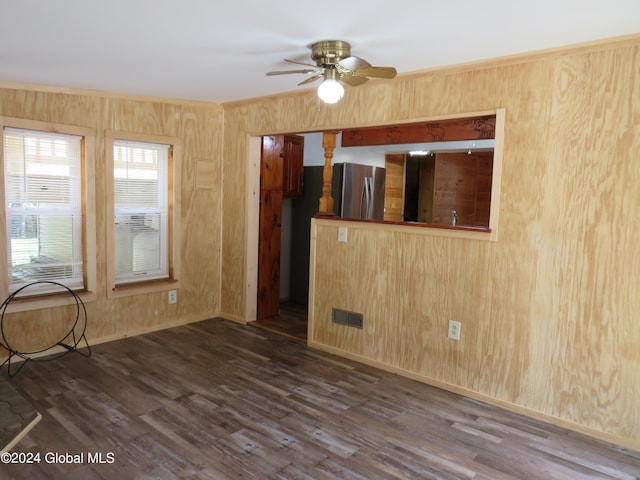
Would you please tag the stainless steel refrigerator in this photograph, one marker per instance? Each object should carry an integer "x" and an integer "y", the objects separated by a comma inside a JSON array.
[{"x": 362, "y": 193}]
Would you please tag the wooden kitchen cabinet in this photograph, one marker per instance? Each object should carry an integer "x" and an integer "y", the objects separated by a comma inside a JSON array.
[{"x": 292, "y": 166}]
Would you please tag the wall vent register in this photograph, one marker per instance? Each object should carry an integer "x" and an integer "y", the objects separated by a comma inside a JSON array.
[{"x": 346, "y": 318}]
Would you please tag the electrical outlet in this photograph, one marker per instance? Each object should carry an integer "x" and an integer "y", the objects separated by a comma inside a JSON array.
[
  {"x": 454, "y": 330},
  {"x": 173, "y": 296}
]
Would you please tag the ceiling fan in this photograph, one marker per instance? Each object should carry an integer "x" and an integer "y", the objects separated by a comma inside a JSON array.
[{"x": 335, "y": 65}]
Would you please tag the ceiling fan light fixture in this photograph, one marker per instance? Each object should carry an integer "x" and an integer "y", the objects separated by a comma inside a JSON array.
[
  {"x": 336, "y": 66},
  {"x": 330, "y": 91}
]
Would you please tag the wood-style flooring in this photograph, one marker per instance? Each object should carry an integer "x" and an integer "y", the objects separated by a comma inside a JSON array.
[
  {"x": 291, "y": 322},
  {"x": 218, "y": 400}
]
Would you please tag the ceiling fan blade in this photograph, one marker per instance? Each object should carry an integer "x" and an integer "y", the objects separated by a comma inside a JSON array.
[
  {"x": 287, "y": 72},
  {"x": 377, "y": 72},
  {"x": 300, "y": 63},
  {"x": 352, "y": 63},
  {"x": 311, "y": 79},
  {"x": 352, "y": 80}
]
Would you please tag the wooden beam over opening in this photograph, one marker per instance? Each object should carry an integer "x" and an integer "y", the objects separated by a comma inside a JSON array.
[{"x": 475, "y": 128}]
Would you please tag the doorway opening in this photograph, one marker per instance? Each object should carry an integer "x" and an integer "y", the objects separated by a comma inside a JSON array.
[
  {"x": 290, "y": 188},
  {"x": 464, "y": 156}
]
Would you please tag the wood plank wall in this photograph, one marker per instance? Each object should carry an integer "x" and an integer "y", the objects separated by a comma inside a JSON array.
[
  {"x": 549, "y": 311},
  {"x": 198, "y": 127},
  {"x": 462, "y": 183},
  {"x": 394, "y": 187}
]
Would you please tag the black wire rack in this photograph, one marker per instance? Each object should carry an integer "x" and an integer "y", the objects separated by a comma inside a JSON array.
[{"x": 70, "y": 342}]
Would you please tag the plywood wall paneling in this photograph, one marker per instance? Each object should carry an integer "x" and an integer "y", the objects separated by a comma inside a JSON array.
[
  {"x": 31, "y": 332},
  {"x": 588, "y": 203},
  {"x": 198, "y": 127},
  {"x": 234, "y": 206},
  {"x": 547, "y": 310},
  {"x": 201, "y": 211}
]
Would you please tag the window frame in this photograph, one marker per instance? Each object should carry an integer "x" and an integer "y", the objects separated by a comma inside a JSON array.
[
  {"x": 87, "y": 200},
  {"x": 160, "y": 208},
  {"x": 115, "y": 289}
]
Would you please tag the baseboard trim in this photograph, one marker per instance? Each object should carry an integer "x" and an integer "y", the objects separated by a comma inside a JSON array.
[{"x": 232, "y": 318}]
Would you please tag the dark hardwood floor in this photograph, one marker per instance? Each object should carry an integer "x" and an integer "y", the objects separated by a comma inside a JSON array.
[
  {"x": 217, "y": 400},
  {"x": 292, "y": 322}
]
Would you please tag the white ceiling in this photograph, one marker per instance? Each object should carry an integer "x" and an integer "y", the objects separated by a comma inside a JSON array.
[{"x": 220, "y": 50}]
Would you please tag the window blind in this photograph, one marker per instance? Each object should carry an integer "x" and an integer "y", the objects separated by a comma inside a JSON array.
[
  {"x": 140, "y": 211},
  {"x": 43, "y": 192}
]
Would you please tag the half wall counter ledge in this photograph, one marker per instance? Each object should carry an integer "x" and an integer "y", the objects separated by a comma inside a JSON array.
[{"x": 68, "y": 333}]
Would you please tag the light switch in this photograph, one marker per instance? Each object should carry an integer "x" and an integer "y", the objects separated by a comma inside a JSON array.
[{"x": 342, "y": 234}]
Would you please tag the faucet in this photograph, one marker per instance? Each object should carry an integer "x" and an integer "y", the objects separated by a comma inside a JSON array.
[{"x": 454, "y": 218}]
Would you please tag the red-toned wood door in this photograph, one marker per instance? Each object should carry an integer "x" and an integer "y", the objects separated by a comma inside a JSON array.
[
  {"x": 271, "y": 170},
  {"x": 293, "y": 166}
]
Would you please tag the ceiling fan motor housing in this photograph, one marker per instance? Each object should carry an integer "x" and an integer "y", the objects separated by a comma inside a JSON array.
[{"x": 330, "y": 52}]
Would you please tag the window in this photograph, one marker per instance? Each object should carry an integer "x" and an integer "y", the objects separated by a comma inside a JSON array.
[
  {"x": 49, "y": 230},
  {"x": 143, "y": 233},
  {"x": 43, "y": 210},
  {"x": 141, "y": 210}
]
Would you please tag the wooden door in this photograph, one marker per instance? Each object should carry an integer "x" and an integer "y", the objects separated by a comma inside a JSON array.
[
  {"x": 270, "y": 227},
  {"x": 293, "y": 166}
]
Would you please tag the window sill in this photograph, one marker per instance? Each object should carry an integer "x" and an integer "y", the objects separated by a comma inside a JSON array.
[
  {"x": 50, "y": 300},
  {"x": 141, "y": 288}
]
